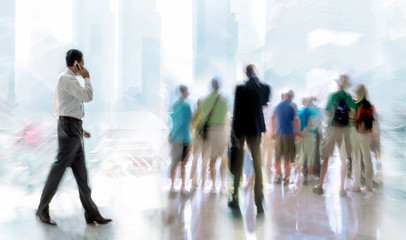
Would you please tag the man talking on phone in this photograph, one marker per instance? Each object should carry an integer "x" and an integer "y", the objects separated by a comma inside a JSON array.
[{"x": 68, "y": 107}]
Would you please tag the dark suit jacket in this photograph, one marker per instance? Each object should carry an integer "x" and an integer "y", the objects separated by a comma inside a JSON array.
[{"x": 248, "y": 117}]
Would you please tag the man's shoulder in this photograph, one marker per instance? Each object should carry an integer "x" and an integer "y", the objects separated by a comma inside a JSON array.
[
  {"x": 241, "y": 85},
  {"x": 223, "y": 99},
  {"x": 283, "y": 104},
  {"x": 64, "y": 76},
  {"x": 240, "y": 88},
  {"x": 185, "y": 104},
  {"x": 264, "y": 85},
  {"x": 341, "y": 93}
]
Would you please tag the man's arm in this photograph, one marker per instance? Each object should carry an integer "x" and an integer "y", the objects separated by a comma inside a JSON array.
[
  {"x": 296, "y": 125},
  {"x": 309, "y": 125},
  {"x": 272, "y": 130},
  {"x": 72, "y": 86},
  {"x": 267, "y": 98}
]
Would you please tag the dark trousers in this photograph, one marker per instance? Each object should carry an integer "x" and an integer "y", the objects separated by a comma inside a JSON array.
[
  {"x": 254, "y": 145},
  {"x": 70, "y": 154}
]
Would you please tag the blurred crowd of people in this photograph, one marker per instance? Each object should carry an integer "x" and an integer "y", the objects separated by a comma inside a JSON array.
[{"x": 303, "y": 139}]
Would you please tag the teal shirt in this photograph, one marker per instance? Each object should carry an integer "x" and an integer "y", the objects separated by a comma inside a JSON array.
[
  {"x": 218, "y": 117},
  {"x": 181, "y": 114},
  {"x": 333, "y": 100}
]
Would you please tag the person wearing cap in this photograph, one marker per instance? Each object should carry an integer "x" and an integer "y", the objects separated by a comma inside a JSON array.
[
  {"x": 362, "y": 141},
  {"x": 68, "y": 107},
  {"x": 340, "y": 111}
]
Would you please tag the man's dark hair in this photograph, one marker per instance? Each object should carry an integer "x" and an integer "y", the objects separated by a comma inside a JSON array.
[
  {"x": 250, "y": 70},
  {"x": 183, "y": 89},
  {"x": 215, "y": 83},
  {"x": 73, "y": 55}
]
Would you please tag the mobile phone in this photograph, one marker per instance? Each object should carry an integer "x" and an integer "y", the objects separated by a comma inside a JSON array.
[{"x": 77, "y": 65}]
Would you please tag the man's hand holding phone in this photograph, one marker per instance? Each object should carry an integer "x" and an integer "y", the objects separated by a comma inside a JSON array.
[{"x": 82, "y": 70}]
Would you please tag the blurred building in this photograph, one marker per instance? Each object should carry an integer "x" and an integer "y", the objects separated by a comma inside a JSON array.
[
  {"x": 7, "y": 56},
  {"x": 332, "y": 36},
  {"x": 215, "y": 42},
  {"x": 139, "y": 58},
  {"x": 94, "y": 34}
]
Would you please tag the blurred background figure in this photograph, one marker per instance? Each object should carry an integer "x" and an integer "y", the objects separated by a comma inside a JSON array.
[
  {"x": 340, "y": 110},
  {"x": 365, "y": 129},
  {"x": 214, "y": 109},
  {"x": 179, "y": 137},
  {"x": 286, "y": 126},
  {"x": 307, "y": 142},
  {"x": 317, "y": 125},
  {"x": 248, "y": 126}
]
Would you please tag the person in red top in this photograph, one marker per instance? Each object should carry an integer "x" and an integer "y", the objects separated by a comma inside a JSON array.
[{"x": 362, "y": 144}]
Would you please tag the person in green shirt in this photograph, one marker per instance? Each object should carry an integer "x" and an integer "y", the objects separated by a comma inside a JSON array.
[
  {"x": 214, "y": 110},
  {"x": 340, "y": 111}
]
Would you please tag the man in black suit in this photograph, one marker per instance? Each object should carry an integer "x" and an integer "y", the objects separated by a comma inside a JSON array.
[{"x": 248, "y": 125}]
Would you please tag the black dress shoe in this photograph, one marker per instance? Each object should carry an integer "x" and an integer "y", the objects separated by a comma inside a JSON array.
[
  {"x": 98, "y": 219},
  {"x": 45, "y": 218}
]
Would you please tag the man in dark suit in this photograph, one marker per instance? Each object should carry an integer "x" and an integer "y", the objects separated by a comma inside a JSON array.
[{"x": 248, "y": 125}]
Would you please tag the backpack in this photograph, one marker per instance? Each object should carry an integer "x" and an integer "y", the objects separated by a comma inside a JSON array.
[
  {"x": 341, "y": 114},
  {"x": 366, "y": 115}
]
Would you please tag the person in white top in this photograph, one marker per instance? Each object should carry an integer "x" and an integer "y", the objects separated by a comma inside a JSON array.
[{"x": 68, "y": 107}]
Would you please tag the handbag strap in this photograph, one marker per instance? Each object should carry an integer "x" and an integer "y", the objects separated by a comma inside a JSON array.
[{"x": 212, "y": 109}]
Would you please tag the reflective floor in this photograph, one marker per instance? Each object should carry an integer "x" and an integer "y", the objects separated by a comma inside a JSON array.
[{"x": 129, "y": 178}]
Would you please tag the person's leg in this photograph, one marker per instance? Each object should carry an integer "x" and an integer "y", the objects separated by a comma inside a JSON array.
[
  {"x": 348, "y": 147},
  {"x": 67, "y": 148},
  {"x": 182, "y": 175},
  {"x": 343, "y": 173},
  {"x": 287, "y": 163},
  {"x": 290, "y": 146},
  {"x": 356, "y": 163},
  {"x": 327, "y": 148},
  {"x": 80, "y": 173},
  {"x": 239, "y": 159},
  {"x": 267, "y": 149},
  {"x": 309, "y": 151},
  {"x": 184, "y": 160},
  {"x": 223, "y": 171},
  {"x": 196, "y": 152},
  {"x": 173, "y": 174},
  {"x": 365, "y": 142},
  {"x": 346, "y": 167},
  {"x": 205, "y": 159},
  {"x": 175, "y": 152},
  {"x": 301, "y": 156},
  {"x": 323, "y": 171},
  {"x": 316, "y": 166},
  {"x": 254, "y": 143},
  {"x": 278, "y": 156},
  {"x": 213, "y": 172}
]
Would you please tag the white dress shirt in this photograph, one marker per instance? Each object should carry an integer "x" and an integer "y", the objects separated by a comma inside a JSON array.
[{"x": 70, "y": 95}]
